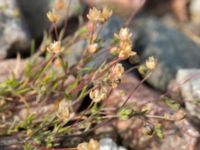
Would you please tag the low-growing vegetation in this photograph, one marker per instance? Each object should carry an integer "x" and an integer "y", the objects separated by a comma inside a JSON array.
[{"x": 59, "y": 101}]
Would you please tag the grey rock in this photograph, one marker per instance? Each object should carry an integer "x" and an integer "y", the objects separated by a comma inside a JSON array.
[
  {"x": 190, "y": 90},
  {"x": 76, "y": 50},
  {"x": 112, "y": 26},
  {"x": 172, "y": 48},
  {"x": 35, "y": 13},
  {"x": 109, "y": 144},
  {"x": 13, "y": 33}
]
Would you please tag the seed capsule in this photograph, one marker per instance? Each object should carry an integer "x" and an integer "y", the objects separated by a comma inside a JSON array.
[{"x": 148, "y": 129}]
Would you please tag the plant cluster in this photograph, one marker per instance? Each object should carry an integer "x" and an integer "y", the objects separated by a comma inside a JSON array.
[{"x": 51, "y": 81}]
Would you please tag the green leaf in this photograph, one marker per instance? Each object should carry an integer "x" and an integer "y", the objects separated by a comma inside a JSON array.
[
  {"x": 32, "y": 47},
  {"x": 83, "y": 92},
  {"x": 94, "y": 109},
  {"x": 63, "y": 63},
  {"x": 172, "y": 104},
  {"x": 12, "y": 83},
  {"x": 115, "y": 41},
  {"x": 142, "y": 113},
  {"x": 74, "y": 84},
  {"x": 82, "y": 31},
  {"x": 22, "y": 91},
  {"x": 159, "y": 131},
  {"x": 28, "y": 146},
  {"x": 28, "y": 69},
  {"x": 38, "y": 140},
  {"x": 124, "y": 113},
  {"x": 27, "y": 122},
  {"x": 86, "y": 69}
]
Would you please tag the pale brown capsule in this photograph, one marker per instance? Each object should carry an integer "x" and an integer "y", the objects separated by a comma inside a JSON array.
[
  {"x": 148, "y": 129},
  {"x": 151, "y": 63},
  {"x": 94, "y": 14},
  {"x": 52, "y": 16}
]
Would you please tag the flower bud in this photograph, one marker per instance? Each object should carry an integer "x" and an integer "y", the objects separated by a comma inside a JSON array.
[{"x": 52, "y": 16}]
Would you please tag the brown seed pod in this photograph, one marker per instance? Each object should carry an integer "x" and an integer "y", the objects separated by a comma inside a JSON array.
[{"x": 148, "y": 129}]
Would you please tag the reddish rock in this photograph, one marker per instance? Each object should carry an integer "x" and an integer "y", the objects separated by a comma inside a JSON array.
[{"x": 177, "y": 134}]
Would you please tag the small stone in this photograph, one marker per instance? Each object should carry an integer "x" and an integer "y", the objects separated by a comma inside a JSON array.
[
  {"x": 14, "y": 35},
  {"x": 76, "y": 50},
  {"x": 107, "y": 34},
  {"x": 108, "y": 144},
  {"x": 35, "y": 13},
  {"x": 189, "y": 83}
]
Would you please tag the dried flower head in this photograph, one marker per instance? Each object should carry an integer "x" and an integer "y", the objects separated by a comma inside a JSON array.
[
  {"x": 52, "y": 16},
  {"x": 94, "y": 14},
  {"x": 29, "y": 132},
  {"x": 126, "y": 50},
  {"x": 99, "y": 94},
  {"x": 151, "y": 63},
  {"x": 92, "y": 48},
  {"x": 105, "y": 14},
  {"x": 92, "y": 145},
  {"x": 115, "y": 75},
  {"x": 142, "y": 69},
  {"x": 148, "y": 129},
  {"x": 117, "y": 70},
  {"x": 114, "y": 51},
  {"x": 55, "y": 47},
  {"x": 59, "y": 4},
  {"x": 82, "y": 146},
  {"x": 124, "y": 34},
  {"x": 63, "y": 111},
  {"x": 166, "y": 116},
  {"x": 98, "y": 15}
]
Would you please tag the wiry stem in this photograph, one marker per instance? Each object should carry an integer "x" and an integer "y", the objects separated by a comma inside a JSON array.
[
  {"x": 67, "y": 15},
  {"x": 56, "y": 31},
  {"x": 135, "y": 89}
]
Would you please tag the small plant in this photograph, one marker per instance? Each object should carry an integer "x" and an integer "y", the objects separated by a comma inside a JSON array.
[{"x": 51, "y": 82}]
